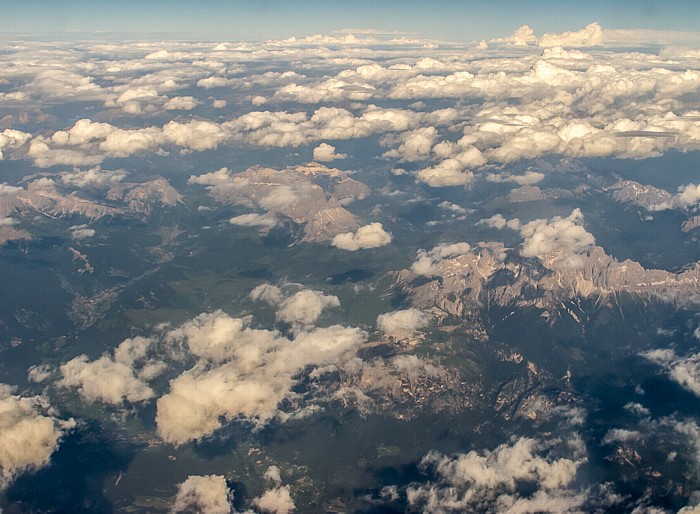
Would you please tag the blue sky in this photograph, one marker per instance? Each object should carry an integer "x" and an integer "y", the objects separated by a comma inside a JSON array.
[{"x": 264, "y": 19}]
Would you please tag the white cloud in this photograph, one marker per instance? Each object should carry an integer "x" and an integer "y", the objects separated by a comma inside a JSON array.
[
  {"x": 305, "y": 307},
  {"x": 79, "y": 232},
  {"x": 182, "y": 103},
  {"x": 491, "y": 480},
  {"x": 253, "y": 220},
  {"x": 243, "y": 373},
  {"x": 591, "y": 35},
  {"x": 276, "y": 501},
  {"x": 685, "y": 371},
  {"x": 29, "y": 433},
  {"x": 688, "y": 196},
  {"x": 326, "y": 153},
  {"x": 128, "y": 370},
  {"x": 564, "y": 239},
  {"x": 426, "y": 262},
  {"x": 267, "y": 293},
  {"x": 414, "y": 145},
  {"x": 621, "y": 435},
  {"x": 207, "y": 494},
  {"x": 497, "y": 221},
  {"x": 94, "y": 177},
  {"x": 523, "y": 36},
  {"x": 11, "y": 139},
  {"x": 527, "y": 179},
  {"x": 367, "y": 236},
  {"x": 404, "y": 322}
]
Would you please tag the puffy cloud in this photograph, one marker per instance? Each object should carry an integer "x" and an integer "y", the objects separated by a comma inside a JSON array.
[
  {"x": 404, "y": 322},
  {"x": 243, "y": 373},
  {"x": 207, "y": 494},
  {"x": 414, "y": 145},
  {"x": 182, "y": 103},
  {"x": 326, "y": 153},
  {"x": 562, "y": 238},
  {"x": 305, "y": 307},
  {"x": 685, "y": 371},
  {"x": 495, "y": 480},
  {"x": 591, "y": 35},
  {"x": 11, "y": 139},
  {"x": 128, "y": 370},
  {"x": 29, "y": 432},
  {"x": 94, "y": 177},
  {"x": 497, "y": 221},
  {"x": 426, "y": 262},
  {"x": 267, "y": 293},
  {"x": 367, "y": 236},
  {"x": 449, "y": 172},
  {"x": 523, "y": 36},
  {"x": 276, "y": 501},
  {"x": 688, "y": 196},
  {"x": 79, "y": 232},
  {"x": 218, "y": 177}
]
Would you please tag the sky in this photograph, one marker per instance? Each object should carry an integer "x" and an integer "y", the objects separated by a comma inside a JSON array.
[{"x": 270, "y": 19}]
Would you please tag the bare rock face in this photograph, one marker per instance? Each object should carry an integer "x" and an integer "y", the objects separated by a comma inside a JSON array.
[
  {"x": 310, "y": 195},
  {"x": 9, "y": 233},
  {"x": 691, "y": 224},
  {"x": 49, "y": 200},
  {"x": 649, "y": 197},
  {"x": 489, "y": 274},
  {"x": 141, "y": 197}
]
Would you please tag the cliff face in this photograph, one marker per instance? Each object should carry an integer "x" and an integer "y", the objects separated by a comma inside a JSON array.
[
  {"x": 649, "y": 197},
  {"x": 490, "y": 274}
]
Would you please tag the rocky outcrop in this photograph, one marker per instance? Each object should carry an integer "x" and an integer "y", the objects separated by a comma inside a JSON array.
[
  {"x": 490, "y": 274},
  {"x": 649, "y": 197},
  {"x": 310, "y": 195}
]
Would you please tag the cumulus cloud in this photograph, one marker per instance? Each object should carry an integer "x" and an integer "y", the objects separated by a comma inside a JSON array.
[
  {"x": 94, "y": 177},
  {"x": 181, "y": 103},
  {"x": 562, "y": 238},
  {"x": 367, "y": 236},
  {"x": 426, "y": 262},
  {"x": 590, "y": 35},
  {"x": 523, "y": 36},
  {"x": 11, "y": 139},
  {"x": 497, "y": 221},
  {"x": 414, "y": 145},
  {"x": 305, "y": 307},
  {"x": 685, "y": 371},
  {"x": 128, "y": 370},
  {"x": 29, "y": 433},
  {"x": 404, "y": 322},
  {"x": 688, "y": 196},
  {"x": 326, "y": 153},
  {"x": 276, "y": 501},
  {"x": 243, "y": 372},
  {"x": 207, "y": 494},
  {"x": 496, "y": 480},
  {"x": 267, "y": 293}
]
